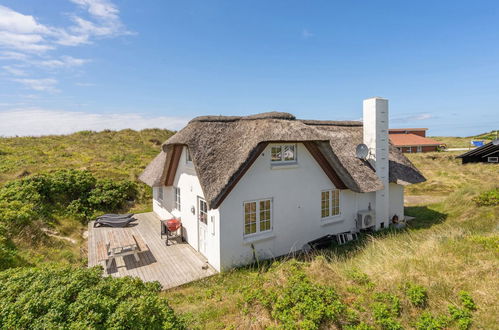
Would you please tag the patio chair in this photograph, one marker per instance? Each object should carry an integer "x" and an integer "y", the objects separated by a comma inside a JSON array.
[{"x": 116, "y": 222}]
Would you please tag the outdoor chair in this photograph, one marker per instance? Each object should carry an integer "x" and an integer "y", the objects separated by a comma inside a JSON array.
[
  {"x": 116, "y": 216},
  {"x": 113, "y": 222}
]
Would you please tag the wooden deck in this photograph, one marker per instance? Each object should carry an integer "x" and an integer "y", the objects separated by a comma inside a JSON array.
[{"x": 171, "y": 265}]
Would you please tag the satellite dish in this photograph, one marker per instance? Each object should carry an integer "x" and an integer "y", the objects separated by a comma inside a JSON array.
[
  {"x": 362, "y": 151},
  {"x": 495, "y": 142}
]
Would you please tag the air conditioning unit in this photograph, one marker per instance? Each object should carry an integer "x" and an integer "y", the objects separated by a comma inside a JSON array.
[{"x": 365, "y": 219}]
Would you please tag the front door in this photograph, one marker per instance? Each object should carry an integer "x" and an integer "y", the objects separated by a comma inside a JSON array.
[{"x": 202, "y": 224}]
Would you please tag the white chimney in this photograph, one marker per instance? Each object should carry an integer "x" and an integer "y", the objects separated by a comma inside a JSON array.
[{"x": 375, "y": 119}]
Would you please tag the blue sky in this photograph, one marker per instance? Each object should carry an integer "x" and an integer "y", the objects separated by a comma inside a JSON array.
[{"x": 68, "y": 65}]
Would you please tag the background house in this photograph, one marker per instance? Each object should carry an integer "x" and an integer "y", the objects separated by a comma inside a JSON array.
[
  {"x": 488, "y": 153},
  {"x": 412, "y": 140}
]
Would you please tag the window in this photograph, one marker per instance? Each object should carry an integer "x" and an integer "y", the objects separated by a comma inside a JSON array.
[
  {"x": 177, "y": 198},
  {"x": 188, "y": 158},
  {"x": 257, "y": 216},
  {"x": 212, "y": 220},
  {"x": 493, "y": 159},
  {"x": 285, "y": 153},
  {"x": 203, "y": 212},
  {"x": 409, "y": 149},
  {"x": 420, "y": 149},
  {"x": 160, "y": 193},
  {"x": 330, "y": 203}
]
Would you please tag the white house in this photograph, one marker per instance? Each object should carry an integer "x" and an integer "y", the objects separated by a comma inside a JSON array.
[{"x": 265, "y": 185}]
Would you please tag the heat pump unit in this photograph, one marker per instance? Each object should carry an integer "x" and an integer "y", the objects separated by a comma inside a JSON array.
[{"x": 365, "y": 219}]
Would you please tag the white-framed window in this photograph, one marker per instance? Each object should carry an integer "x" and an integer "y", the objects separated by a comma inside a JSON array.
[
  {"x": 160, "y": 193},
  {"x": 493, "y": 159},
  {"x": 330, "y": 203},
  {"x": 188, "y": 157},
  {"x": 257, "y": 216},
  {"x": 283, "y": 154},
  {"x": 419, "y": 149},
  {"x": 203, "y": 211},
  {"x": 176, "y": 193},
  {"x": 409, "y": 149}
]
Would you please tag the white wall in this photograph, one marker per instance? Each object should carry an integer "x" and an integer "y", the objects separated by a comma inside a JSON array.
[
  {"x": 396, "y": 200},
  {"x": 161, "y": 207},
  {"x": 190, "y": 190},
  {"x": 296, "y": 194}
]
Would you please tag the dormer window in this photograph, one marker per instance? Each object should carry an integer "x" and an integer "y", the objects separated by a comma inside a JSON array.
[{"x": 283, "y": 154}]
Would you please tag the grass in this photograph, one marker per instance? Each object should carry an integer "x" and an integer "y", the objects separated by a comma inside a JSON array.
[
  {"x": 465, "y": 142},
  {"x": 111, "y": 154},
  {"x": 453, "y": 245}
]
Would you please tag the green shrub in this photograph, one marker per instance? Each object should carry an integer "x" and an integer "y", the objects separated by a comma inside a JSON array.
[
  {"x": 462, "y": 316},
  {"x": 384, "y": 315},
  {"x": 110, "y": 195},
  {"x": 358, "y": 277},
  {"x": 300, "y": 303},
  {"x": 467, "y": 301},
  {"x": 71, "y": 192},
  {"x": 390, "y": 300},
  {"x": 417, "y": 294},
  {"x": 488, "y": 198},
  {"x": 7, "y": 250},
  {"x": 76, "y": 298},
  {"x": 429, "y": 322}
]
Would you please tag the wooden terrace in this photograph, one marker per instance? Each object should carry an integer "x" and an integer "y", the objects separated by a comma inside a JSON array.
[{"x": 171, "y": 265}]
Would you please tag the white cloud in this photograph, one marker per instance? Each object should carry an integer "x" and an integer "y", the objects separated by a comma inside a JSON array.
[
  {"x": 13, "y": 70},
  {"x": 41, "y": 85},
  {"x": 24, "y": 42},
  {"x": 8, "y": 55},
  {"x": 15, "y": 22},
  {"x": 422, "y": 116},
  {"x": 35, "y": 122},
  {"x": 63, "y": 62},
  {"x": 413, "y": 117},
  {"x": 305, "y": 34},
  {"x": 23, "y": 38},
  {"x": 83, "y": 84},
  {"x": 99, "y": 8}
]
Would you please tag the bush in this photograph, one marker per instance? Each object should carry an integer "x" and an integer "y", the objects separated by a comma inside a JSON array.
[
  {"x": 66, "y": 297},
  {"x": 109, "y": 195},
  {"x": 461, "y": 316},
  {"x": 300, "y": 303},
  {"x": 488, "y": 198},
  {"x": 429, "y": 322},
  {"x": 467, "y": 301},
  {"x": 71, "y": 192},
  {"x": 417, "y": 295},
  {"x": 358, "y": 277}
]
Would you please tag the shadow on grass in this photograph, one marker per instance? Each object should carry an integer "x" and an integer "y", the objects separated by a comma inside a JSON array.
[{"x": 425, "y": 217}]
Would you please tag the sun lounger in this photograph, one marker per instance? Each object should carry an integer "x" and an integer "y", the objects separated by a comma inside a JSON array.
[
  {"x": 116, "y": 216},
  {"x": 113, "y": 222}
]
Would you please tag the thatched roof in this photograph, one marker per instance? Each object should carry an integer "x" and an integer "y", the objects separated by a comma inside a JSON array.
[{"x": 221, "y": 147}]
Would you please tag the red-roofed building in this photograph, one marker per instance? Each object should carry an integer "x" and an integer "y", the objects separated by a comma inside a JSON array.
[{"x": 413, "y": 140}]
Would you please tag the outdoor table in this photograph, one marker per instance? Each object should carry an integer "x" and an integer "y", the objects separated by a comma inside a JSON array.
[{"x": 121, "y": 243}]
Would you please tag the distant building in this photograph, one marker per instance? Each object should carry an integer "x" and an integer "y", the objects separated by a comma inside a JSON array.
[
  {"x": 488, "y": 153},
  {"x": 413, "y": 140}
]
